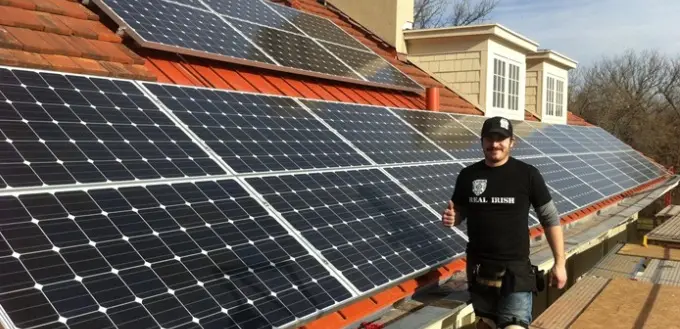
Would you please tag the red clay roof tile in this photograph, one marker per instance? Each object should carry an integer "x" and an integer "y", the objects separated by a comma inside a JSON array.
[
  {"x": 25, "y": 4},
  {"x": 7, "y": 40},
  {"x": 64, "y": 35},
  {"x": 63, "y": 63},
  {"x": 31, "y": 60},
  {"x": 91, "y": 66},
  {"x": 12, "y": 16},
  {"x": 52, "y": 25},
  {"x": 7, "y": 57}
]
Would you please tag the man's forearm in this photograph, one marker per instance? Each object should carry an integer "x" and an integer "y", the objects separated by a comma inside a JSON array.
[{"x": 555, "y": 238}]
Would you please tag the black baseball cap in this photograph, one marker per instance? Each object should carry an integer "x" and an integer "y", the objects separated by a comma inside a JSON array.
[{"x": 497, "y": 125}]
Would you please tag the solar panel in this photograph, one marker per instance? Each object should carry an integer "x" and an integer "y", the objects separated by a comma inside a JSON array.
[
  {"x": 626, "y": 164},
  {"x": 363, "y": 223},
  {"x": 588, "y": 174},
  {"x": 317, "y": 27},
  {"x": 444, "y": 131},
  {"x": 173, "y": 25},
  {"x": 156, "y": 256},
  {"x": 558, "y": 135},
  {"x": 377, "y": 132},
  {"x": 635, "y": 162},
  {"x": 432, "y": 183},
  {"x": 531, "y": 135},
  {"x": 584, "y": 136},
  {"x": 371, "y": 66},
  {"x": 294, "y": 50},
  {"x": 654, "y": 170},
  {"x": 252, "y": 33},
  {"x": 257, "y": 133},
  {"x": 608, "y": 140},
  {"x": 59, "y": 129},
  {"x": 623, "y": 179},
  {"x": 563, "y": 185},
  {"x": 254, "y": 11},
  {"x": 610, "y": 172}
]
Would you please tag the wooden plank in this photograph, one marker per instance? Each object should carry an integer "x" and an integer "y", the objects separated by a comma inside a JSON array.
[
  {"x": 632, "y": 304},
  {"x": 669, "y": 231},
  {"x": 651, "y": 251},
  {"x": 665, "y": 272},
  {"x": 616, "y": 266},
  {"x": 569, "y": 306}
]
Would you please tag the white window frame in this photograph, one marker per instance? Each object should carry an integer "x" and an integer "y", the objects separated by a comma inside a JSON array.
[
  {"x": 559, "y": 98},
  {"x": 506, "y": 87},
  {"x": 555, "y": 99}
]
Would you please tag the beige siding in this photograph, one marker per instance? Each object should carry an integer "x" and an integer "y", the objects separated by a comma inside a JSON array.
[
  {"x": 532, "y": 92},
  {"x": 461, "y": 70}
]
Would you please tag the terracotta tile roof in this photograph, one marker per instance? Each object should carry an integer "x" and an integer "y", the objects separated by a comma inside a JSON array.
[{"x": 64, "y": 35}]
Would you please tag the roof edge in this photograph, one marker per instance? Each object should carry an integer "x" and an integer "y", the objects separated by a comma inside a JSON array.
[
  {"x": 549, "y": 55},
  {"x": 482, "y": 30}
]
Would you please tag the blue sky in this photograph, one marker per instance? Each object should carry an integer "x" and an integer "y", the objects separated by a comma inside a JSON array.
[{"x": 586, "y": 30}]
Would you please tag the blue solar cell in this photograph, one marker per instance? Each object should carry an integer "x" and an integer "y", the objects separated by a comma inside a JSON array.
[
  {"x": 557, "y": 134},
  {"x": 533, "y": 136},
  {"x": 363, "y": 223},
  {"x": 371, "y": 66},
  {"x": 603, "y": 185},
  {"x": 245, "y": 261},
  {"x": 194, "y": 29},
  {"x": 294, "y": 50},
  {"x": 378, "y": 133},
  {"x": 564, "y": 186},
  {"x": 431, "y": 183},
  {"x": 255, "y": 11},
  {"x": 318, "y": 27},
  {"x": 257, "y": 133},
  {"x": 629, "y": 176},
  {"x": 444, "y": 131},
  {"x": 63, "y": 129}
]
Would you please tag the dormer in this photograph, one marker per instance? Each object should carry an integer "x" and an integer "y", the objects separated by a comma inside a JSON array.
[
  {"x": 547, "y": 85},
  {"x": 484, "y": 63}
]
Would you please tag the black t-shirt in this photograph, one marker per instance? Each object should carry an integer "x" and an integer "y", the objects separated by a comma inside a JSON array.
[{"x": 495, "y": 202}]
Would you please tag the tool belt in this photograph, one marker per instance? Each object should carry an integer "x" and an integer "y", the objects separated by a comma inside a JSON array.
[{"x": 504, "y": 278}]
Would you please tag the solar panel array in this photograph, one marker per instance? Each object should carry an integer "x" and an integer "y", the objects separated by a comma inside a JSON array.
[
  {"x": 258, "y": 33},
  {"x": 142, "y": 205}
]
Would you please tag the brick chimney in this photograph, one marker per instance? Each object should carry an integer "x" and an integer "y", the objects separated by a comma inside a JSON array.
[{"x": 386, "y": 18}]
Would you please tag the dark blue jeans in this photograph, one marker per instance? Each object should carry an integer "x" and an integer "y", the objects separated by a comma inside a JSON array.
[{"x": 514, "y": 308}]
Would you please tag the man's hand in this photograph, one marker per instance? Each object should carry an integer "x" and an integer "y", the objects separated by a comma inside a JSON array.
[
  {"x": 558, "y": 276},
  {"x": 449, "y": 216}
]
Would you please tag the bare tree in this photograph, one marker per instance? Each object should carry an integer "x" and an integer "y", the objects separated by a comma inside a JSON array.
[
  {"x": 439, "y": 13},
  {"x": 636, "y": 97}
]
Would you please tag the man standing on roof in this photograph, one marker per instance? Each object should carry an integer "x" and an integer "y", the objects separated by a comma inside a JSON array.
[{"x": 494, "y": 196}]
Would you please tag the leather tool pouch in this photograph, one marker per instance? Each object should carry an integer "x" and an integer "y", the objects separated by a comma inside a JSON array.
[
  {"x": 521, "y": 278},
  {"x": 487, "y": 277}
]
